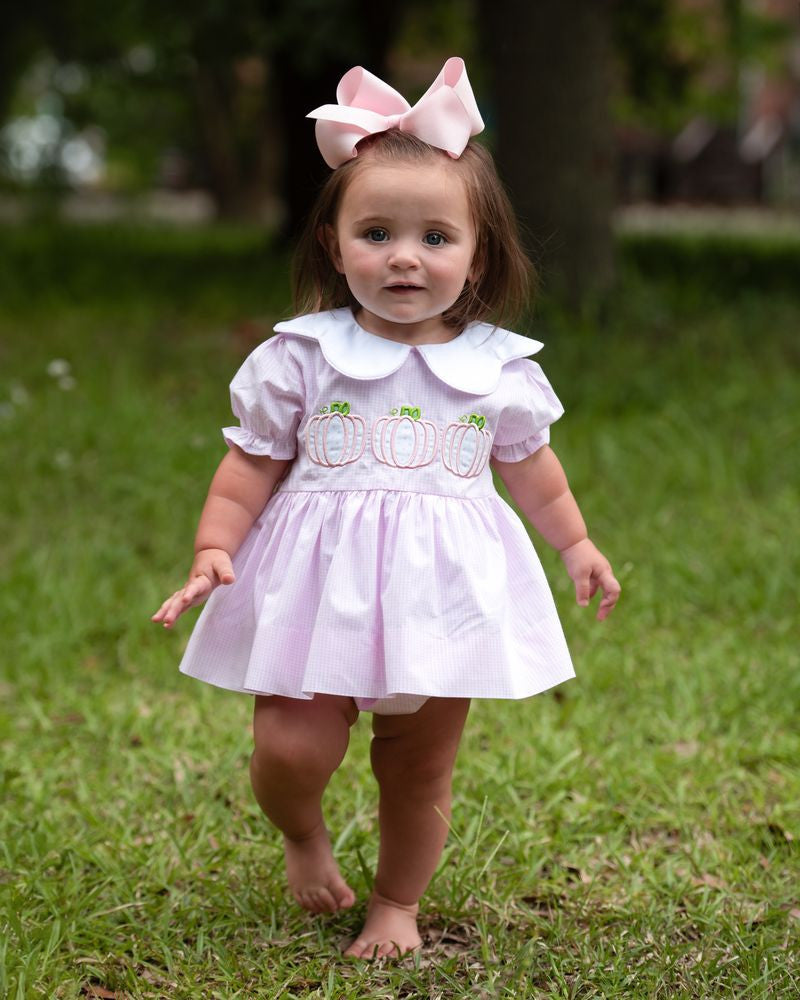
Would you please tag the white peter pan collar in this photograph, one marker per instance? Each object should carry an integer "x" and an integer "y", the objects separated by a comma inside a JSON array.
[{"x": 472, "y": 362}]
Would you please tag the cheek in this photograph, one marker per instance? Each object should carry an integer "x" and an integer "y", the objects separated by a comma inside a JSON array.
[
  {"x": 358, "y": 260},
  {"x": 455, "y": 271}
]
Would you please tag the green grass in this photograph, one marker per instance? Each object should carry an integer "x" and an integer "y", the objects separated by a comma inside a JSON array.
[{"x": 633, "y": 833}]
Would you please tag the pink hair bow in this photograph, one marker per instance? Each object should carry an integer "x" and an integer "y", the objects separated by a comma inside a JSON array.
[{"x": 445, "y": 116}]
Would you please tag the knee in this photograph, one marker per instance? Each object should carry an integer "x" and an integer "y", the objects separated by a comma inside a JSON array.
[
  {"x": 419, "y": 773},
  {"x": 282, "y": 748},
  {"x": 290, "y": 740},
  {"x": 287, "y": 754}
]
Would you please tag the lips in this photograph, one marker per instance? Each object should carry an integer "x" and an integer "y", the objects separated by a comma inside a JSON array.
[{"x": 404, "y": 288}]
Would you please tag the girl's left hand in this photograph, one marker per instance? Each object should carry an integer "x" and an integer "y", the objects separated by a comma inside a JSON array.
[{"x": 590, "y": 569}]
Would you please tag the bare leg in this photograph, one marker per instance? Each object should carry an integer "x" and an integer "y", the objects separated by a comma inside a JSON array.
[
  {"x": 412, "y": 757},
  {"x": 298, "y": 746}
]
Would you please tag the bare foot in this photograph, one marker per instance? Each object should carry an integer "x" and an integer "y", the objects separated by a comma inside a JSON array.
[
  {"x": 390, "y": 929},
  {"x": 313, "y": 875}
]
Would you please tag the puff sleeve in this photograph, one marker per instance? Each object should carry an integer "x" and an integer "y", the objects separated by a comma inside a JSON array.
[
  {"x": 267, "y": 396},
  {"x": 531, "y": 406}
]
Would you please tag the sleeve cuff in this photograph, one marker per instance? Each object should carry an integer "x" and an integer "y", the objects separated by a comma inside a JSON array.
[
  {"x": 522, "y": 449},
  {"x": 255, "y": 445}
]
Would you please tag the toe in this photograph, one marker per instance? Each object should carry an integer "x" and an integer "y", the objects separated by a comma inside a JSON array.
[
  {"x": 309, "y": 901},
  {"x": 325, "y": 901},
  {"x": 363, "y": 949},
  {"x": 345, "y": 897},
  {"x": 355, "y": 950}
]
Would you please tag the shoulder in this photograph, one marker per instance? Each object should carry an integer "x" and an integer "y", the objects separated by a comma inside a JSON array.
[
  {"x": 290, "y": 334},
  {"x": 519, "y": 371},
  {"x": 496, "y": 342},
  {"x": 278, "y": 357},
  {"x": 317, "y": 326}
]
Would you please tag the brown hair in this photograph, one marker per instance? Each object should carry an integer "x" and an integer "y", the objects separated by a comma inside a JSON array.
[{"x": 504, "y": 275}]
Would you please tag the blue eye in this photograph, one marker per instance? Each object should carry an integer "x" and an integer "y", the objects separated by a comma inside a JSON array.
[
  {"x": 377, "y": 235},
  {"x": 435, "y": 239}
]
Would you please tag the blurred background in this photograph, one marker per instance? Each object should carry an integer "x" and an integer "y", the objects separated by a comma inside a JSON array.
[{"x": 649, "y": 114}]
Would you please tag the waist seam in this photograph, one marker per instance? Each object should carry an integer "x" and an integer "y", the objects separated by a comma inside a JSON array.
[{"x": 376, "y": 489}]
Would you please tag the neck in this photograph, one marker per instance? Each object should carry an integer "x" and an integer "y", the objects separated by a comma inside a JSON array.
[{"x": 429, "y": 331}]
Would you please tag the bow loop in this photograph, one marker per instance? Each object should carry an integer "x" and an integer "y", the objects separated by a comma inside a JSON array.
[
  {"x": 445, "y": 116},
  {"x": 361, "y": 89}
]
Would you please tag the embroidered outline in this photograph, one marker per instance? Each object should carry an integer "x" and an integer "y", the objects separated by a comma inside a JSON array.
[
  {"x": 453, "y": 441},
  {"x": 425, "y": 443},
  {"x": 353, "y": 432}
]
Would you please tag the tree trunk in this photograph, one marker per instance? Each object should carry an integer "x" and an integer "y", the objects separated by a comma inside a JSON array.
[
  {"x": 551, "y": 65},
  {"x": 352, "y": 32}
]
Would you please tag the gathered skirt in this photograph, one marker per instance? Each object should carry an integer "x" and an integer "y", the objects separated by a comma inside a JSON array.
[{"x": 381, "y": 593}]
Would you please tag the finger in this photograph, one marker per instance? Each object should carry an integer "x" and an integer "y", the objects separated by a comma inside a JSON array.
[
  {"x": 605, "y": 609},
  {"x": 195, "y": 591},
  {"x": 223, "y": 570},
  {"x": 162, "y": 611},
  {"x": 611, "y": 592},
  {"x": 609, "y": 584},
  {"x": 198, "y": 587},
  {"x": 180, "y": 605},
  {"x": 177, "y": 606},
  {"x": 582, "y": 589}
]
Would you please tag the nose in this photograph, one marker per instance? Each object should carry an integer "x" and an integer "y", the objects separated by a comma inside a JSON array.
[{"x": 403, "y": 254}]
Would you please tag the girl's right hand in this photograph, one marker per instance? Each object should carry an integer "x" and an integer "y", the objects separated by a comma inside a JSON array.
[{"x": 211, "y": 567}]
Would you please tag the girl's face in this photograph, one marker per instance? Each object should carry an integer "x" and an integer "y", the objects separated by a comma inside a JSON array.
[{"x": 404, "y": 240}]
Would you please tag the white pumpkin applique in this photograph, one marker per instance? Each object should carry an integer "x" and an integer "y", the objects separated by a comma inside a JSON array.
[
  {"x": 466, "y": 446},
  {"x": 335, "y": 436},
  {"x": 404, "y": 440}
]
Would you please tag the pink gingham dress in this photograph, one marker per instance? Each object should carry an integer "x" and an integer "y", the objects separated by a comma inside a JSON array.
[{"x": 386, "y": 566}]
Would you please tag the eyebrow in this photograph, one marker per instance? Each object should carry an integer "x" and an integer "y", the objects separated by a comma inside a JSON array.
[{"x": 429, "y": 223}]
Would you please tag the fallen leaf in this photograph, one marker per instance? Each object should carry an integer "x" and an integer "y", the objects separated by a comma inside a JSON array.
[
  {"x": 541, "y": 907},
  {"x": 70, "y": 719},
  {"x": 577, "y": 874},
  {"x": 93, "y": 990},
  {"x": 780, "y": 833},
  {"x": 710, "y": 880}
]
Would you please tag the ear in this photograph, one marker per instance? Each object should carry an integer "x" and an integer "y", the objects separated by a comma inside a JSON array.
[
  {"x": 475, "y": 271},
  {"x": 327, "y": 236}
]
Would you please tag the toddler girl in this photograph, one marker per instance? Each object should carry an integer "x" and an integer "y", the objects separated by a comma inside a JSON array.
[{"x": 367, "y": 562}]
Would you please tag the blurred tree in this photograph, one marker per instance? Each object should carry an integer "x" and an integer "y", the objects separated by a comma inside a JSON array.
[
  {"x": 563, "y": 71},
  {"x": 677, "y": 59},
  {"x": 655, "y": 73},
  {"x": 228, "y": 87},
  {"x": 311, "y": 44},
  {"x": 19, "y": 42},
  {"x": 185, "y": 75},
  {"x": 552, "y": 79}
]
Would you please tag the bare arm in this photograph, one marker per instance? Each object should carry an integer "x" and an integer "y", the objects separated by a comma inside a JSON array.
[
  {"x": 539, "y": 487},
  {"x": 239, "y": 490}
]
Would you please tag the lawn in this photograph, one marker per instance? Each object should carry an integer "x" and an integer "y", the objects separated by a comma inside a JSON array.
[{"x": 633, "y": 833}]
